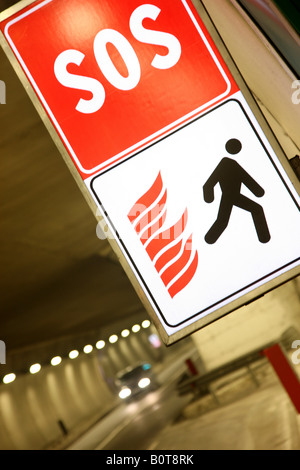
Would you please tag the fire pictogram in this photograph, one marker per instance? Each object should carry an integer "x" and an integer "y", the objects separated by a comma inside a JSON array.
[{"x": 169, "y": 249}]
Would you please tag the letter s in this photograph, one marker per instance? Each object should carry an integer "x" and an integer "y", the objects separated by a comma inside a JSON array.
[
  {"x": 296, "y": 354},
  {"x": 79, "y": 82},
  {"x": 158, "y": 38}
]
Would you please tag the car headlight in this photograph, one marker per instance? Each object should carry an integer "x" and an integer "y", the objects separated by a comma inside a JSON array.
[
  {"x": 124, "y": 393},
  {"x": 143, "y": 383}
]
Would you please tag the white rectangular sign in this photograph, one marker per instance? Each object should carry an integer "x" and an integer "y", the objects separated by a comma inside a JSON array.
[{"x": 204, "y": 216}]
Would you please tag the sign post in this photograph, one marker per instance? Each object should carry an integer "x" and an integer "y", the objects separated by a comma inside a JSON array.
[{"x": 162, "y": 134}]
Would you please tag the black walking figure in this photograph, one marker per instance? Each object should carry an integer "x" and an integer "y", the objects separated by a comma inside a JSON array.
[{"x": 230, "y": 175}]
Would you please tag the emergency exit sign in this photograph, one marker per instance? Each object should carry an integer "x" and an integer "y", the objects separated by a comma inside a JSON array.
[
  {"x": 114, "y": 76},
  {"x": 165, "y": 137}
]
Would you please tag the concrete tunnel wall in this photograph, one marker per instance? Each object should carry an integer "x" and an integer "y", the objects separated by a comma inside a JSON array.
[
  {"x": 36, "y": 409},
  {"x": 251, "y": 327}
]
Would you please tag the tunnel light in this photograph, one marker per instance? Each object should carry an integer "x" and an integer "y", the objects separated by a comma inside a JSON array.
[
  {"x": 88, "y": 349},
  {"x": 136, "y": 328},
  {"x": 113, "y": 339},
  {"x": 125, "y": 393},
  {"x": 125, "y": 333},
  {"x": 154, "y": 340},
  {"x": 143, "y": 383},
  {"x": 35, "y": 368},
  {"x": 73, "y": 354},
  {"x": 56, "y": 360},
  {"x": 146, "y": 324},
  {"x": 100, "y": 344},
  {"x": 8, "y": 378}
]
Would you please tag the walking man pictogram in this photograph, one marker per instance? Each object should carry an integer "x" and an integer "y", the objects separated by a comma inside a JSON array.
[{"x": 230, "y": 175}]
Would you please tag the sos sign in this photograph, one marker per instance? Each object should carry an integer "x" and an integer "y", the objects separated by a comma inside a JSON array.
[
  {"x": 115, "y": 77},
  {"x": 145, "y": 106},
  {"x": 107, "y": 37}
]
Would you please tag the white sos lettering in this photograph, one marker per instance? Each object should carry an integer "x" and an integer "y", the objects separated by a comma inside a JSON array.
[{"x": 105, "y": 64}]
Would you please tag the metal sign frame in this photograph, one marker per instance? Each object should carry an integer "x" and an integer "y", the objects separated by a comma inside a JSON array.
[{"x": 236, "y": 304}]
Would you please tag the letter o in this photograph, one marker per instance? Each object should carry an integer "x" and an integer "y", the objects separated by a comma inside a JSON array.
[{"x": 127, "y": 53}]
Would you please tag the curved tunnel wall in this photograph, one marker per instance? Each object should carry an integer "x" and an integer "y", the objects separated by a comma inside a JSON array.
[{"x": 36, "y": 411}]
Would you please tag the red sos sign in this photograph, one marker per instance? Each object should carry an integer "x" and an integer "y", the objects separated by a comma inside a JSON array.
[{"x": 116, "y": 76}]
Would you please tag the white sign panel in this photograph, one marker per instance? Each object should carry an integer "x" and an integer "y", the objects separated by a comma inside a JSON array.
[{"x": 205, "y": 215}]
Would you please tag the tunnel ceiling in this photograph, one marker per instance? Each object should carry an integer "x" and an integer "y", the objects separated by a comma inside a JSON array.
[
  {"x": 6, "y": 4},
  {"x": 57, "y": 278}
]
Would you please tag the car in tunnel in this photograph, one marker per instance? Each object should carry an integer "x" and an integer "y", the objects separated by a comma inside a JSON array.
[{"x": 135, "y": 380}]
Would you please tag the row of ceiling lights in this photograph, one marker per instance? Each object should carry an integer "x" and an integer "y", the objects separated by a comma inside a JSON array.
[{"x": 35, "y": 368}]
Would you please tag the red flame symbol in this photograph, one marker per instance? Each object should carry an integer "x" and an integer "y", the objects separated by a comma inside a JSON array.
[{"x": 171, "y": 256}]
